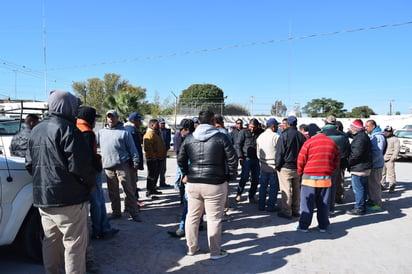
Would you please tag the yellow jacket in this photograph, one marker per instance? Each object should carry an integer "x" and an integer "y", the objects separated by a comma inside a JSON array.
[{"x": 153, "y": 145}]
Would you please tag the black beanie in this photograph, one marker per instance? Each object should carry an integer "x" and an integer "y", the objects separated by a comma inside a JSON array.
[{"x": 88, "y": 114}]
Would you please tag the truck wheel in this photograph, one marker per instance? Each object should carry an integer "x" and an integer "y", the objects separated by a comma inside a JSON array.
[{"x": 31, "y": 235}]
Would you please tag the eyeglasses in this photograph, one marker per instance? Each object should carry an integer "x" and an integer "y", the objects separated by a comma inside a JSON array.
[{"x": 238, "y": 123}]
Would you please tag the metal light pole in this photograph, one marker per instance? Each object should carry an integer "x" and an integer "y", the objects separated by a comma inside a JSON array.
[{"x": 175, "y": 107}]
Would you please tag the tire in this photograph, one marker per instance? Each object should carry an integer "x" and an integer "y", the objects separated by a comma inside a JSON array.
[{"x": 30, "y": 237}]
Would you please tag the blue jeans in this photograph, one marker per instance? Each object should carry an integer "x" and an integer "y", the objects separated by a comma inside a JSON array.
[
  {"x": 250, "y": 165},
  {"x": 100, "y": 222},
  {"x": 271, "y": 179},
  {"x": 360, "y": 189}
]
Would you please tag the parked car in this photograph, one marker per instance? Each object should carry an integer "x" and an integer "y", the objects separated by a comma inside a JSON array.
[
  {"x": 405, "y": 139},
  {"x": 407, "y": 127}
]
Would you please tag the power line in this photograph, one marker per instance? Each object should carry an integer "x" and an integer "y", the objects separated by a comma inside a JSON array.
[{"x": 231, "y": 47}]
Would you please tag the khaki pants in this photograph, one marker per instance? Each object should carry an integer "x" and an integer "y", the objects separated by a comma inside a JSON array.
[
  {"x": 210, "y": 198},
  {"x": 65, "y": 238},
  {"x": 388, "y": 173},
  {"x": 289, "y": 185},
  {"x": 121, "y": 174},
  {"x": 374, "y": 186}
]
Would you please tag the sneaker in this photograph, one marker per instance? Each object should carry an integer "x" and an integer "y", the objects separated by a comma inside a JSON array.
[
  {"x": 155, "y": 192},
  {"x": 321, "y": 230},
  {"x": 356, "y": 212},
  {"x": 109, "y": 234},
  {"x": 237, "y": 198},
  {"x": 283, "y": 215},
  {"x": 275, "y": 209},
  {"x": 392, "y": 189},
  {"x": 115, "y": 216},
  {"x": 222, "y": 254},
  {"x": 193, "y": 253},
  {"x": 180, "y": 232},
  {"x": 136, "y": 218},
  {"x": 177, "y": 234},
  {"x": 383, "y": 187},
  {"x": 155, "y": 197},
  {"x": 252, "y": 201},
  {"x": 374, "y": 208},
  {"x": 298, "y": 228},
  {"x": 339, "y": 201}
]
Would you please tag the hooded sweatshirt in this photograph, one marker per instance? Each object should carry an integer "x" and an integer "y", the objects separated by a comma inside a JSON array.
[
  {"x": 378, "y": 147},
  {"x": 212, "y": 156},
  {"x": 58, "y": 156}
]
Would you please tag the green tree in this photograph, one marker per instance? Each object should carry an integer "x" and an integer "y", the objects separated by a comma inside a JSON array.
[
  {"x": 111, "y": 93},
  {"x": 199, "y": 97},
  {"x": 362, "y": 112},
  {"x": 323, "y": 107},
  {"x": 278, "y": 109},
  {"x": 235, "y": 109}
]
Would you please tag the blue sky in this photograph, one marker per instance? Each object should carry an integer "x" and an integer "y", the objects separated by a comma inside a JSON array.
[{"x": 165, "y": 46}]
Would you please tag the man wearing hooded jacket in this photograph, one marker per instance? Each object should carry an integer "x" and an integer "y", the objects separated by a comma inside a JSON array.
[
  {"x": 212, "y": 160},
  {"x": 59, "y": 159}
]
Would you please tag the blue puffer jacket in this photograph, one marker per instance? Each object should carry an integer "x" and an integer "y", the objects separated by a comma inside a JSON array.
[{"x": 378, "y": 141}]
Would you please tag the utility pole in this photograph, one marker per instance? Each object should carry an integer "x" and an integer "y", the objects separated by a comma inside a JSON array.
[
  {"x": 175, "y": 107},
  {"x": 251, "y": 105},
  {"x": 390, "y": 107},
  {"x": 15, "y": 83}
]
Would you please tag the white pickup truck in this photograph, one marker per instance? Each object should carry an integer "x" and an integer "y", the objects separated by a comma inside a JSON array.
[{"x": 19, "y": 221}]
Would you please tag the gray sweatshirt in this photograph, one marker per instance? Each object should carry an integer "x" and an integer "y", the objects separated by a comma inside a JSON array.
[{"x": 117, "y": 146}]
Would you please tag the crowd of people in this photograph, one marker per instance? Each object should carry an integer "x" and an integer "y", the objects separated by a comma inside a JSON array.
[{"x": 306, "y": 164}]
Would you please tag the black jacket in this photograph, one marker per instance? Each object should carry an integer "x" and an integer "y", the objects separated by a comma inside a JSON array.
[
  {"x": 60, "y": 161},
  {"x": 360, "y": 157},
  {"x": 18, "y": 145},
  {"x": 246, "y": 143},
  {"x": 288, "y": 147},
  {"x": 210, "y": 161}
]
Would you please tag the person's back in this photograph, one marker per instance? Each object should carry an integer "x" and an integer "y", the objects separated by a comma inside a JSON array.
[
  {"x": 18, "y": 145},
  {"x": 288, "y": 146},
  {"x": 268, "y": 179},
  {"x": 360, "y": 165},
  {"x": 266, "y": 149},
  {"x": 207, "y": 155},
  {"x": 287, "y": 150},
  {"x": 317, "y": 161},
  {"x": 207, "y": 160},
  {"x": 57, "y": 182},
  {"x": 59, "y": 159},
  {"x": 319, "y": 156}
]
